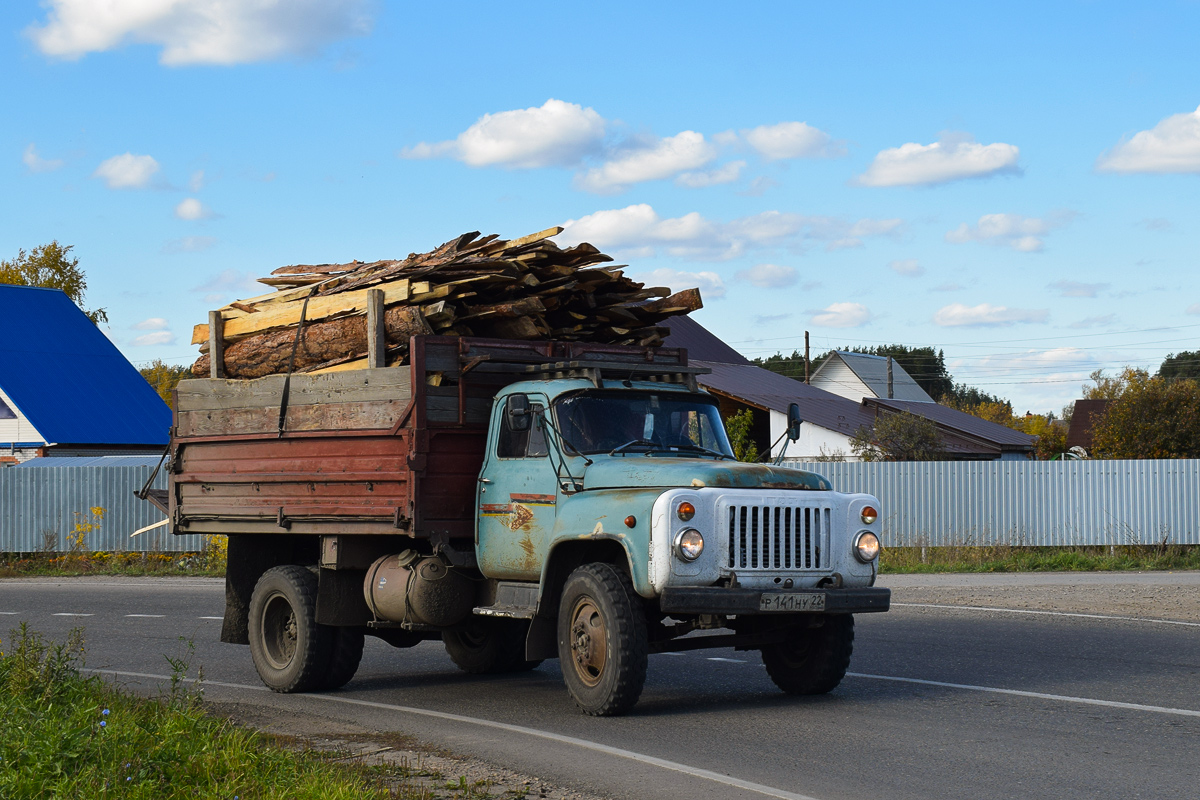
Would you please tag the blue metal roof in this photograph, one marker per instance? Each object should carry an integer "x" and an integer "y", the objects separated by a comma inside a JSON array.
[{"x": 68, "y": 379}]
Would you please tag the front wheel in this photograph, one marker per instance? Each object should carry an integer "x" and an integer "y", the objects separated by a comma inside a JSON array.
[
  {"x": 602, "y": 643},
  {"x": 815, "y": 660},
  {"x": 291, "y": 652}
]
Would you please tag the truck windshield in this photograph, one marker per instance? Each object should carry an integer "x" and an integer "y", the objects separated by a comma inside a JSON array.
[{"x": 600, "y": 421}]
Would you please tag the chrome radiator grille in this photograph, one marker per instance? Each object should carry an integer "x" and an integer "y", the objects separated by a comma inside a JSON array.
[{"x": 777, "y": 537}]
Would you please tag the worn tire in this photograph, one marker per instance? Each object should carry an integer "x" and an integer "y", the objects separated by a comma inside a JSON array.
[
  {"x": 486, "y": 646},
  {"x": 345, "y": 654},
  {"x": 602, "y": 643},
  {"x": 291, "y": 652},
  {"x": 815, "y": 660}
]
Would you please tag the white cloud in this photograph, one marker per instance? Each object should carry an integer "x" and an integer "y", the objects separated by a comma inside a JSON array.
[
  {"x": 1194, "y": 308},
  {"x": 196, "y": 182},
  {"x": 556, "y": 134},
  {"x": 1009, "y": 230},
  {"x": 726, "y": 173},
  {"x": 36, "y": 163},
  {"x": 200, "y": 31},
  {"x": 189, "y": 244},
  {"x": 986, "y": 315},
  {"x": 664, "y": 158},
  {"x": 229, "y": 284},
  {"x": 790, "y": 140},
  {"x": 151, "y": 324},
  {"x": 948, "y": 287},
  {"x": 191, "y": 208},
  {"x": 841, "y": 315},
  {"x": 1076, "y": 289},
  {"x": 638, "y": 229},
  {"x": 759, "y": 186},
  {"x": 952, "y": 158},
  {"x": 1172, "y": 145},
  {"x": 769, "y": 276},
  {"x": 158, "y": 337},
  {"x": 908, "y": 267},
  {"x": 1103, "y": 321},
  {"x": 709, "y": 283},
  {"x": 127, "y": 171}
]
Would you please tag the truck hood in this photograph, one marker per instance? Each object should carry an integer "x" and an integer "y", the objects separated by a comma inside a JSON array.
[{"x": 639, "y": 471}]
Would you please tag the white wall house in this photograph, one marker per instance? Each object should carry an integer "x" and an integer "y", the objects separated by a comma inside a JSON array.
[{"x": 17, "y": 432}]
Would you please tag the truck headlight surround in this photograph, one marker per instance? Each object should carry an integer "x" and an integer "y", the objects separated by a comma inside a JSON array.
[
  {"x": 689, "y": 544},
  {"x": 866, "y": 547}
]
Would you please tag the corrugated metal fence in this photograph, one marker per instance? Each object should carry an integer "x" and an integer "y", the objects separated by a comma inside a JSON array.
[
  {"x": 1030, "y": 503},
  {"x": 43, "y": 509}
]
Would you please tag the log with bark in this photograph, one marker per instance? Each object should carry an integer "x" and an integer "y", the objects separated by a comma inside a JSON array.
[{"x": 527, "y": 288}]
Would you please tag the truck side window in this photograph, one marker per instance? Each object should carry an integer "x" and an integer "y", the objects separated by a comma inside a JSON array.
[{"x": 529, "y": 443}]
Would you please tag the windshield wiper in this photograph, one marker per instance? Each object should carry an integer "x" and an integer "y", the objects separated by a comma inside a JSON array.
[
  {"x": 695, "y": 448},
  {"x": 644, "y": 442}
]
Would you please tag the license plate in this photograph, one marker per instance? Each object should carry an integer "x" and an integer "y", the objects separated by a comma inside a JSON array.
[{"x": 792, "y": 601}]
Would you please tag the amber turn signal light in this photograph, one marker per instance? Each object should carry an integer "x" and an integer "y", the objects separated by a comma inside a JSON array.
[
  {"x": 630, "y": 521},
  {"x": 869, "y": 515},
  {"x": 686, "y": 511}
]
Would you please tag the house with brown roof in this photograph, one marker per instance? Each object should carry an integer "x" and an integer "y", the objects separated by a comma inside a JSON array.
[{"x": 830, "y": 420}]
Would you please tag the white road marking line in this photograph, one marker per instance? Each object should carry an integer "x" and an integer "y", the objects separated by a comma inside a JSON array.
[
  {"x": 1051, "y": 613},
  {"x": 672, "y": 654},
  {"x": 211, "y": 618},
  {"x": 662, "y": 763},
  {"x": 71, "y": 614},
  {"x": 1181, "y": 712},
  {"x": 728, "y": 660},
  {"x": 147, "y": 616},
  {"x": 9, "y": 613}
]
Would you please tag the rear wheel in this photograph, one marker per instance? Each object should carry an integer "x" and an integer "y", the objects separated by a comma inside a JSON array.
[
  {"x": 291, "y": 652},
  {"x": 486, "y": 645},
  {"x": 602, "y": 643},
  {"x": 815, "y": 660},
  {"x": 346, "y": 653}
]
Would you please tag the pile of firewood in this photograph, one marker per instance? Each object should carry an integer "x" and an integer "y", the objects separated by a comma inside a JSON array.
[{"x": 527, "y": 288}]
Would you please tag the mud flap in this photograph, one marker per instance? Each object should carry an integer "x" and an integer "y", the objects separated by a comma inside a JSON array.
[{"x": 542, "y": 640}]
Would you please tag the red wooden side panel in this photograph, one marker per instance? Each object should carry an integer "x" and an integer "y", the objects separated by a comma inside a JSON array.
[{"x": 328, "y": 476}]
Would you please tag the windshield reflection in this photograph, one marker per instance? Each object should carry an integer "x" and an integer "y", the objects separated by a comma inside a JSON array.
[{"x": 681, "y": 424}]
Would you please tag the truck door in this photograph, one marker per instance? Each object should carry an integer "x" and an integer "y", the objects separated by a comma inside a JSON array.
[{"x": 517, "y": 493}]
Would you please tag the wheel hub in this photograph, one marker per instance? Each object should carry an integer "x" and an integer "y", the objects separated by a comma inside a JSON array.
[{"x": 589, "y": 641}]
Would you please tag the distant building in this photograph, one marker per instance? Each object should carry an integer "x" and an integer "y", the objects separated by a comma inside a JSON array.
[
  {"x": 1083, "y": 418},
  {"x": 855, "y": 376},
  {"x": 830, "y": 419},
  {"x": 65, "y": 389}
]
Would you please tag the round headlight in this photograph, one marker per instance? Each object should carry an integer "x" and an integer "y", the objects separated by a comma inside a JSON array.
[
  {"x": 686, "y": 511},
  {"x": 689, "y": 544},
  {"x": 869, "y": 515},
  {"x": 866, "y": 547}
]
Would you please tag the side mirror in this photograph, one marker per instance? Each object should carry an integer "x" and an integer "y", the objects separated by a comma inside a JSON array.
[
  {"x": 793, "y": 421},
  {"x": 516, "y": 409}
]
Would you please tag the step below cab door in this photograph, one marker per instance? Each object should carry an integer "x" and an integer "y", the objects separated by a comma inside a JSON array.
[{"x": 518, "y": 492}]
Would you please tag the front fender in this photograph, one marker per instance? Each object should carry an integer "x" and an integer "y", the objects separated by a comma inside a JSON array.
[{"x": 600, "y": 515}]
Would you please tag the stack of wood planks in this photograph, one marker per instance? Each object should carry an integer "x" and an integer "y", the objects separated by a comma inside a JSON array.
[{"x": 331, "y": 317}]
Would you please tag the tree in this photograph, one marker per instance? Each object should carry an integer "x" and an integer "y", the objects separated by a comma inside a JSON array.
[
  {"x": 50, "y": 267},
  {"x": 1106, "y": 388},
  {"x": 901, "y": 436},
  {"x": 1183, "y": 365},
  {"x": 739, "y": 427},
  {"x": 790, "y": 366},
  {"x": 164, "y": 377},
  {"x": 1149, "y": 418},
  {"x": 1051, "y": 433},
  {"x": 964, "y": 398}
]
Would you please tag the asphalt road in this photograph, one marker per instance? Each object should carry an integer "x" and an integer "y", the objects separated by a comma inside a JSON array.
[{"x": 941, "y": 703}]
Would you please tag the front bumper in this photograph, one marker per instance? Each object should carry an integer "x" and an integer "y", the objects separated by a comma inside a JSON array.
[{"x": 718, "y": 600}]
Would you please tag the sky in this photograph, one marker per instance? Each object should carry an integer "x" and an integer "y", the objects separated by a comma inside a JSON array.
[{"x": 1017, "y": 186}]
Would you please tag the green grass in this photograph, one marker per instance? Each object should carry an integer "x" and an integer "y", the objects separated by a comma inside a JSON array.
[
  {"x": 64, "y": 735},
  {"x": 202, "y": 564},
  {"x": 1006, "y": 558}
]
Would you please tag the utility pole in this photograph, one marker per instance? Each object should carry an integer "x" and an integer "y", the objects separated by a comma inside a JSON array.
[
  {"x": 890, "y": 393},
  {"x": 806, "y": 356}
]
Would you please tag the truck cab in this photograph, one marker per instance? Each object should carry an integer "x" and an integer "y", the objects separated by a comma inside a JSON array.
[{"x": 518, "y": 501}]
